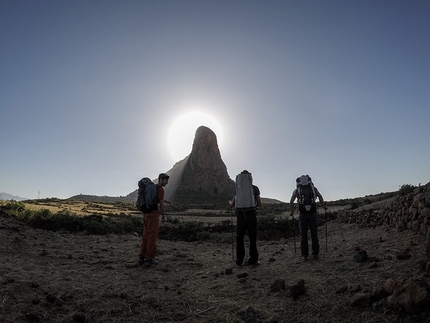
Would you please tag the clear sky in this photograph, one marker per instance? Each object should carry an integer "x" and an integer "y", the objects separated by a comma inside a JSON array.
[{"x": 91, "y": 93}]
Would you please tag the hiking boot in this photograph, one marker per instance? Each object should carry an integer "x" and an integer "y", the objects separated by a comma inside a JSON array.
[
  {"x": 316, "y": 257},
  {"x": 305, "y": 258},
  {"x": 255, "y": 264},
  {"x": 151, "y": 262},
  {"x": 239, "y": 265},
  {"x": 141, "y": 261}
]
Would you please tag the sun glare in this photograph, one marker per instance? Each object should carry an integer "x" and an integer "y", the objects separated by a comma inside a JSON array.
[{"x": 183, "y": 130}]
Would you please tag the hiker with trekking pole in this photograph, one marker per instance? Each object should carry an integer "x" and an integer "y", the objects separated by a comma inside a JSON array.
[
  {"x": 246, "y": 199},
  {"x": 306, "y": 194}
]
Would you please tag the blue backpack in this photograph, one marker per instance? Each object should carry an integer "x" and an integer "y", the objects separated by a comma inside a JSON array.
[{"x": 146, "y": 195}]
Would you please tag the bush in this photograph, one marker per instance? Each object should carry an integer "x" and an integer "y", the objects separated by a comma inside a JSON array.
[
  {"x": 11, "y": 208},
  {"x": 367, "y": 201},
  {"x": 354, "y": 205},
  {"x": 193, "y": 231},
  {"x": 406, "y": 189},
  {"x": 70, "y": 222},
  {"x": 271, "y": 228}
]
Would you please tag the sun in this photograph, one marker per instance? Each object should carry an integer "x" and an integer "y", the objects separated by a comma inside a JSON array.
[{"x": 183, "y": 130}]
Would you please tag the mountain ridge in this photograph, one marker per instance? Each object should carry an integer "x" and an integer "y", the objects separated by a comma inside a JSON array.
[{"x": 7, "y": 196}]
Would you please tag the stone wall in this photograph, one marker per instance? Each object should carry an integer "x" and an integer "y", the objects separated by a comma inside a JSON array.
[{"x": 411, "y": 211}]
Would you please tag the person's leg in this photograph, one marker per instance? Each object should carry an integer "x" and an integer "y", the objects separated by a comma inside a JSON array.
[
  {"x": 240, "y": 234},
  {"x": 303, "y": 226},
  {"x": 313, "y": 225},
  {"x": 252, "y": 232},
  {"x": 152, "y": 227},
  {"x": 144, "y": 242}
]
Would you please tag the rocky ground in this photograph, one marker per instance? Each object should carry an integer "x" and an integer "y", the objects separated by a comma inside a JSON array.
[{"x": 53, "y": 277}]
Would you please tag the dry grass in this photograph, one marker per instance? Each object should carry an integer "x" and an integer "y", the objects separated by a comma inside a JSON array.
[
  {"x": 97, "y": 277},
  {"x": 78, "y": 207}
]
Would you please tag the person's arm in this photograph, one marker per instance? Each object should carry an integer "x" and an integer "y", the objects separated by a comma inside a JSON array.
[
  {"x": 293, "y": 198},
  {"x": 163, "y": 216},
  {"x": 321, "y": 199},
  {"x": 256, "y": 196},
  {"x": 258, "y": 200},
  {"x": 233, "y": 201},
  {"x": 160, "y": 193}
]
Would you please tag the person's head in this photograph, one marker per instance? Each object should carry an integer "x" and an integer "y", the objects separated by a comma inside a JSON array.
[{"x": 163, "y": 179}]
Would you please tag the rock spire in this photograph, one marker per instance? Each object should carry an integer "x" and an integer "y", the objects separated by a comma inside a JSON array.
[{"x": 202, "y": 176}]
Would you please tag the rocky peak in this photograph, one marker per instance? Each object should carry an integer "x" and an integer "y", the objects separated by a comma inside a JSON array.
[
  {"x": 205, "y": 153},
  {"x": 202, "y": 176}
]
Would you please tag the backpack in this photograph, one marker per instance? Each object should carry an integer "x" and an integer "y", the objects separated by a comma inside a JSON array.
[
  {"x": 244, "y": 191},
  {"x": 146, "y": 195},
  {"x": 306, "y": 191}
]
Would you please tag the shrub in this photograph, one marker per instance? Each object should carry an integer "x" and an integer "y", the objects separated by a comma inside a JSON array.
[
  {"x": 70, "y": 222},
  {"x": 354, "y": 205},
  {"x": 406, "y": 189},
  {"x": 270, "y": 227},
  {"x": 367, "y": 201},
  {"x": 11, "y": 208},
  {"x": 202, "y": 236}
]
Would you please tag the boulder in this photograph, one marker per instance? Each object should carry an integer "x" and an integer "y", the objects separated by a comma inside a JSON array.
[
  {"x": 427, "y": 269},
  {"x": 378, "y": 294},
  {"x": 411, "y": 296},
  {"x": 360, "y": 256},
  {"x": 404, "y": 255},
  {"x": 360, "y": 299},
  {"x": 278, "y": 285},
  {"x": 247, "y": 313},
  {"x": 390, "y": 285},
  {"x": 428, "y": 242},
  {"x": 297, "y": 289}
]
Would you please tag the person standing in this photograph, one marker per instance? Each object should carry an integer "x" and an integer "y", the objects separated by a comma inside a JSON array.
[
  {"x": 306, "y": 194},
  {"x": 246, "y": 200},
  {"x": 151, "y": 224}
]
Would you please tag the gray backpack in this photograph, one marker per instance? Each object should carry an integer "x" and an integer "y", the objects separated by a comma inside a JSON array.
[{"x": 244, "y": 191}]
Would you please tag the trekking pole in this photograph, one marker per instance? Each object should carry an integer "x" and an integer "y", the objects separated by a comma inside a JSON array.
[
  {"x": 325, "y": 215},
  {"x": 232, "y": 234},
  {"x": 294, "y": 233}
]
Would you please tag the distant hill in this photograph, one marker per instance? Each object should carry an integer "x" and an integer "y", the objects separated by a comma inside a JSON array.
[
  {"x": 102, "y": 199},
  {"x": 268, "y": 200},
  {"x": 131, "y": 198},
  {"x": 7, "y": 196}
]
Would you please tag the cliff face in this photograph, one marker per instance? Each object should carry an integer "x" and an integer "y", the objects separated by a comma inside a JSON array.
[{"x": 202, "y": 176}]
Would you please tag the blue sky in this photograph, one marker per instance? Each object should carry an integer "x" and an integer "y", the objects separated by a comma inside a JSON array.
[{"x": 339, "y": 90}]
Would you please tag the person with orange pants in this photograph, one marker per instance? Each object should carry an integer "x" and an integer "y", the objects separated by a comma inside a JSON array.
[{"x": 151, "y": 225}]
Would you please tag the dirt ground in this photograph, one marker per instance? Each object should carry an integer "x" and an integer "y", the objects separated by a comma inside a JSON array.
[{"x": 54, "y": 277}]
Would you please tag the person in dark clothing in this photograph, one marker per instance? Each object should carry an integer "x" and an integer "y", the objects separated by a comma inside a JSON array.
[
  {"x": 246, "y": 221},
  {"x": 307, "y": 214}
]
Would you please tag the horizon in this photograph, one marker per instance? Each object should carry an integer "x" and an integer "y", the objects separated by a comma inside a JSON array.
[{"x": 263, "y": 197}]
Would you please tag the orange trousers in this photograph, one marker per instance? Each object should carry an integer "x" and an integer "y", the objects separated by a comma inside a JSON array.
[{"x": 151, "y": 225}]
